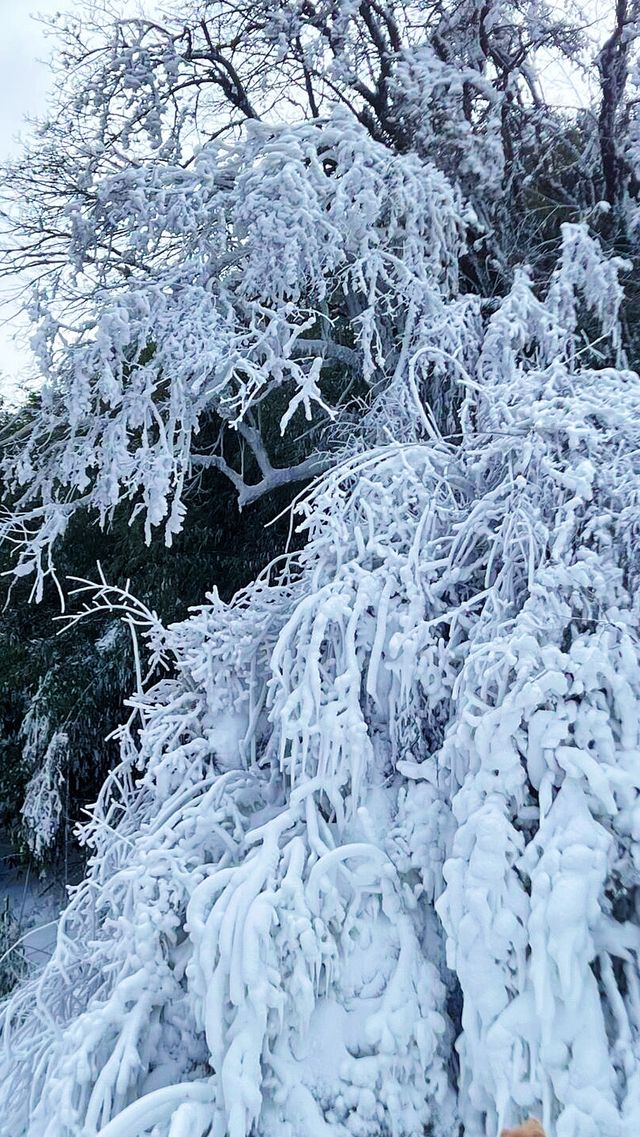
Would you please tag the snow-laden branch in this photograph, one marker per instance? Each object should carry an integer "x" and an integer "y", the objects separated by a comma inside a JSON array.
[
  {"x": 272, "y": 479},
  {"x": 247, "y": 253}
]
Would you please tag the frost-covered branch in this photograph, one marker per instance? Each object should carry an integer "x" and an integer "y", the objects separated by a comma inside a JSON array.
[{"x": 272, "y": 477}]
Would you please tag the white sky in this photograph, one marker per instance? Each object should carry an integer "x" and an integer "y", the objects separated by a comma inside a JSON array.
[{"x": 23, "y": 80}]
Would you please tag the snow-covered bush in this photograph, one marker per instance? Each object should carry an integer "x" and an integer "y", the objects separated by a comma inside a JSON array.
[{"x": 395, "y": 775}]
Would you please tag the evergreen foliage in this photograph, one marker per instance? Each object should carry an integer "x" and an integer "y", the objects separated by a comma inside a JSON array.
[{"x": 74, "y": 681}]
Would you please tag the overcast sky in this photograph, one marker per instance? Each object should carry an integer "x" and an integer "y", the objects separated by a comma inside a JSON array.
[{"x": 23, "y": 80}]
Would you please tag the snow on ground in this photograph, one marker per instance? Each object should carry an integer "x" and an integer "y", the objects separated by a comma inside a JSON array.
[{"x": 35, "y": 903}]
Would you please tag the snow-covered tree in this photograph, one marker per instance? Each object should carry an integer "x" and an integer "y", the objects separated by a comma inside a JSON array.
[
  {"x": 244, "y": 220},
  {"x": 369, "y": 863}
]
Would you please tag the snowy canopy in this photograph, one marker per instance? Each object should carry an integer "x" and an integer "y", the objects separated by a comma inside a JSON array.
[{"x": 369, "y": 864}]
